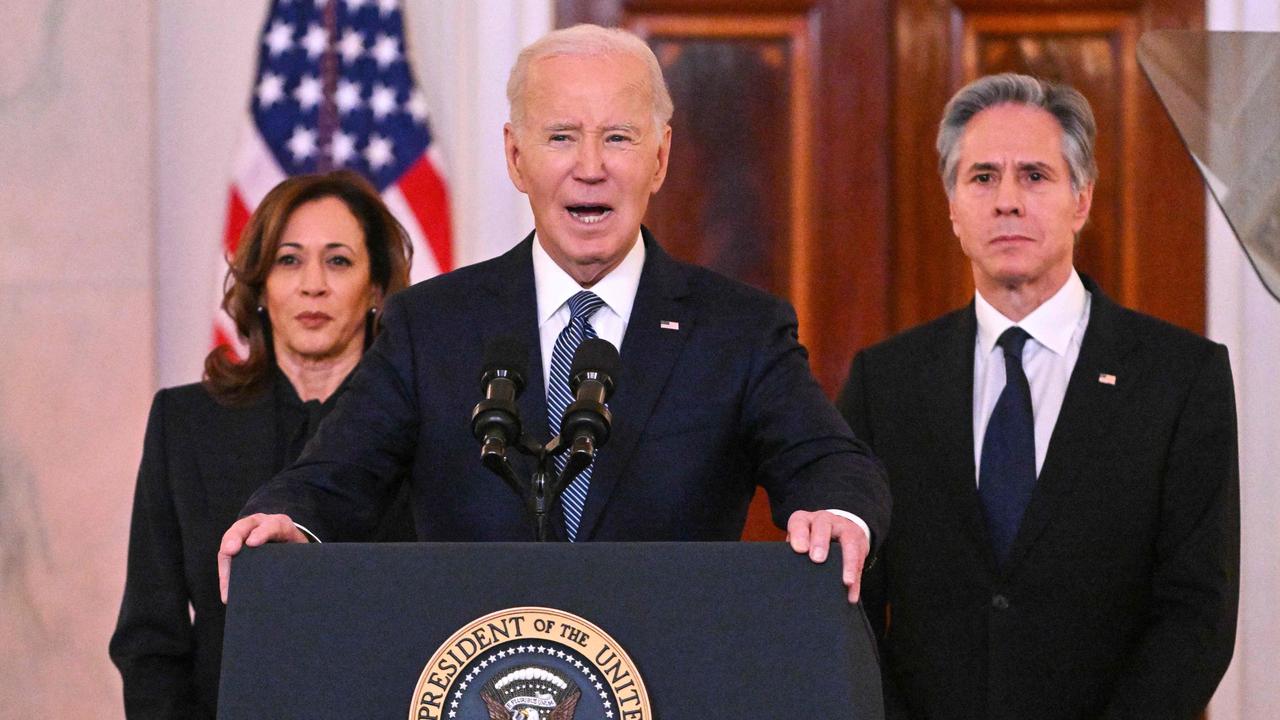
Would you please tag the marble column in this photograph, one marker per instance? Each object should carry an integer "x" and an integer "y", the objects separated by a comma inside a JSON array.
[
  {"x": 76, "y": 340},
  {"x": 1246, "y": 318}
]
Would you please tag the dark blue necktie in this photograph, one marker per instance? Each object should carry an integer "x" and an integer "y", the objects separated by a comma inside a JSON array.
[
  {"x": 1008, "y": 467},
  {"x": 581, "y": 307}
]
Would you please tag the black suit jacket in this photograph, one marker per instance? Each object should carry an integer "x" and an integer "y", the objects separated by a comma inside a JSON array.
[
  {"x": 703, "y": 412},
  {"x": 200, "y": 462},
  {"x": 1119, "y": 596}
]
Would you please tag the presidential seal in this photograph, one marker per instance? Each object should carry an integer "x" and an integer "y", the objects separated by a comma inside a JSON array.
[{"x": 530, "y": 663}]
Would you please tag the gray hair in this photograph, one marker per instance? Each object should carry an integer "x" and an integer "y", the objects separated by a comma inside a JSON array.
[
  {"x": 1063, "y": 102},
  {"x": 591, "y": 40}
]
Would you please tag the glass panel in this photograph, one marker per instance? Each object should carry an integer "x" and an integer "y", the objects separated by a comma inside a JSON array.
[{"x": 1222, "y": 90}]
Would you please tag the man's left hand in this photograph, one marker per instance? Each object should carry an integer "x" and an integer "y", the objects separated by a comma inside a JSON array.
[{"x": 812, "y": 533}]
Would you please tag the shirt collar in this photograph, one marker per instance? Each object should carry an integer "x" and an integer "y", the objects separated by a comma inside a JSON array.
[
  {"x": 1052, "y": 324},
  {"x": 617, "y": 289}
]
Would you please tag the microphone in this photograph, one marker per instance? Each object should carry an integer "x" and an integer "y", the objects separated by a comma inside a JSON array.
[
  {"x": 495, "y": 421},
  {"x": 586, "y": 422}
]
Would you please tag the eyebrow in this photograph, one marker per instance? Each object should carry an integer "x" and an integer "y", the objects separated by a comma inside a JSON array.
[
  {"x": 562, "y": 126},
  {"x": 984, "y": 167},
  {"x": 328, "y": 246},
  {"x": 1035, "y": 166}
]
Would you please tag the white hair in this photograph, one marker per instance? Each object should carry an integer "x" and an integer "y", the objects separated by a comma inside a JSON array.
[{"x": 591, "y": 40}]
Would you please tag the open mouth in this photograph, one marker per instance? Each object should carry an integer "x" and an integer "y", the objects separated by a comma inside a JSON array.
[{"x": 589, "y": 214}]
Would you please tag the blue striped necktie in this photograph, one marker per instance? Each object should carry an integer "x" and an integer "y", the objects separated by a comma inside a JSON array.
[
  {"x": 1008, "y": 471},
  {"x": 581, "y": 307}
]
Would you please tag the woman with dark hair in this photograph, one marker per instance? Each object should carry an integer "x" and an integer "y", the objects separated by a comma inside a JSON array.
[{"x": 309, "y": 276}]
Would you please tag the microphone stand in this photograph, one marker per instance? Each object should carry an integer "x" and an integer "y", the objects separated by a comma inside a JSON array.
[
  {"x": 542, "y": 491},
  {"x": 585, "y": 427}
]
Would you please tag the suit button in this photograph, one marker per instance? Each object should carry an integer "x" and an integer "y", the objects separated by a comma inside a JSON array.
[{"x": 999, "y": 602}]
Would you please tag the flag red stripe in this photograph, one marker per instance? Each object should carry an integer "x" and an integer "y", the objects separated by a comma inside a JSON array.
[
  {"x": 425, "y": 191},
  {"x": 237, "y": 218},
  {"x": 221, "y": 340}
]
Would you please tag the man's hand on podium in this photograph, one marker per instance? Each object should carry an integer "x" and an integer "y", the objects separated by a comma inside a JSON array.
[
  {"x": 812, "y": 533},
  {"x": 252, "y": 531}
]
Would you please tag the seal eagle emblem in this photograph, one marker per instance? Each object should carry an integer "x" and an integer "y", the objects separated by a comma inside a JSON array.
[
  {"x": 530, "y": 663},
  {"x": 530, "y": 692}
]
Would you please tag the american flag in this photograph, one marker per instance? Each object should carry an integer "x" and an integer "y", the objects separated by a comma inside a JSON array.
[{"x": 334, "y": 90}]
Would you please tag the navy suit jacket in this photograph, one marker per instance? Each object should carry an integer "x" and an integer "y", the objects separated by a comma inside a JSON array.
[
  {"x": 714, "y": 397},
  {"x": 1119, "y": 596}
]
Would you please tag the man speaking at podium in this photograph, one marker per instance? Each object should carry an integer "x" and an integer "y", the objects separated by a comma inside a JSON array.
[
  {"x": 1066, "y": 507},
  {"x": 713, "y": 393}
]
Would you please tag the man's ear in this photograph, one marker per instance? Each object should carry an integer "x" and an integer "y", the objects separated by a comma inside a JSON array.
[
  {"x": 511, "y": 145},
  {"x": 1084, "y": 201},
  {"x": 664, "y": 154}
]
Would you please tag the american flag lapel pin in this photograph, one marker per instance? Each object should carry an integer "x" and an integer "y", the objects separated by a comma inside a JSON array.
[
  {"x": 669, "y": 325},
  {"x": 1107, "y": 379}
]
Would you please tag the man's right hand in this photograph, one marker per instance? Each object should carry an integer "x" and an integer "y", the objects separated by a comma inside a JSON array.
[{"x": 253, "y": 531}]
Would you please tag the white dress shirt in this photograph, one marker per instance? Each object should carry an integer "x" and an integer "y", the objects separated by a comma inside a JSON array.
[
  {"x": 1056, "y": 329},
  {"x": 554, "y": 287}
]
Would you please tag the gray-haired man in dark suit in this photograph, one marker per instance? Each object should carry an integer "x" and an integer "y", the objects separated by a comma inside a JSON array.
[{"x": 1065, "y": 539}]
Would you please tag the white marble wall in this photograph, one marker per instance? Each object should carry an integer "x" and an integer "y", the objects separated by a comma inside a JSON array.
[
  {"x": 76, "y": 330},
  {"x": 1245, "y": 317}
]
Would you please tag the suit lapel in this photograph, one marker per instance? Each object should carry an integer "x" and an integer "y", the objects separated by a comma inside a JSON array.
[
  {"x": 649, "y": 353},
  {"x": 950, "y": 386},
  {"x": 1086, "y": 422}
]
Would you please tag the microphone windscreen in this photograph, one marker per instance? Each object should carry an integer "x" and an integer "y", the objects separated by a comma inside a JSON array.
[
  {"x": 506, "y": 352},
  {"x": 596, "y": 355}
]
